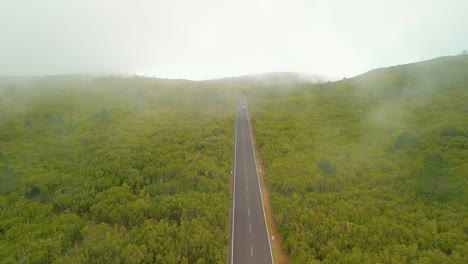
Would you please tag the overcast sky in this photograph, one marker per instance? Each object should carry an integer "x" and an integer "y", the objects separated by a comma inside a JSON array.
[{"x": 203, "y": 39}]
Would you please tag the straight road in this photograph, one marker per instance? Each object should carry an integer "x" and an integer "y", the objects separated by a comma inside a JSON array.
[{"x": 249, "y": 238}]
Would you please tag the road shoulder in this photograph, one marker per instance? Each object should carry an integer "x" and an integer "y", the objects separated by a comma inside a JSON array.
[{"x": 278, "y": 255}]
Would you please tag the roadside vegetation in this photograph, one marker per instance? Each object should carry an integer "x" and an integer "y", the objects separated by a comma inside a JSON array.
[
  {"x": 114, "y": 170},
  {"x": 371, "y": 169}
]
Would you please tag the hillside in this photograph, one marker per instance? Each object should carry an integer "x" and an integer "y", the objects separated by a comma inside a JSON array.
[
  {"x": 370, "y": 169},
  {"x": 113, "y": 170},
  {"x": 118, "y": 169}
]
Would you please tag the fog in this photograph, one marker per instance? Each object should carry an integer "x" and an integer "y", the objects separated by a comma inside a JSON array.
[{"x": 208, "y": 39}]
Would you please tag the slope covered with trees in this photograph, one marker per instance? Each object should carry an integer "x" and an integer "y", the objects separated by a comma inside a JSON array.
[
  {"x": 113, "y": 170},
  {"x": 371, "y": 169}
]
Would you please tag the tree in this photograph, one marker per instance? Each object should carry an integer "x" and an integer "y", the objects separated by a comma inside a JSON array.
[
  {"x": 433, "y": 176},
  {"x": 405, "y": 139},
  {"x": 326, "y": 166}
]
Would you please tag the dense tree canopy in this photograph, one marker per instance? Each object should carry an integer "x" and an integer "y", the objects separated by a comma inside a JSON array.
[
  {"x": 370, "y": 169},
  {"x": 113, "y": 170}
]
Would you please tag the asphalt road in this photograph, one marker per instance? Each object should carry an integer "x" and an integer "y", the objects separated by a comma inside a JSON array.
[{"x": 249, "y": 238}]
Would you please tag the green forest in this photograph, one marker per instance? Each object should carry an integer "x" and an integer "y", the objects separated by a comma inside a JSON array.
[
  {"x": 371, "y": 169},
  {"x": 114, "y": 170}
]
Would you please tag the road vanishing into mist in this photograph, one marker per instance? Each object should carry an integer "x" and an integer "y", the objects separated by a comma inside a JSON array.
[{"x": 249, "y": 238}]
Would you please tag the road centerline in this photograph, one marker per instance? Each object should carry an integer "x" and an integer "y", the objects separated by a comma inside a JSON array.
[{"x": 242, "y": 223}]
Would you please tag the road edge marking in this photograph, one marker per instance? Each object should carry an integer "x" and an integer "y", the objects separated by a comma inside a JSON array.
[
  {"x": 258, "y": 180},
  {"x": 234, "y": 188}
]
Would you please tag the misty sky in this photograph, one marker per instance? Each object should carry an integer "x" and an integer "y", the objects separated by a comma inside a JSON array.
[{"x": 203, "y": 39}]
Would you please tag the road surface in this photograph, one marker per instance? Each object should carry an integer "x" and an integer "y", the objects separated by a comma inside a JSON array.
[{"x": 249, "y": 238}]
